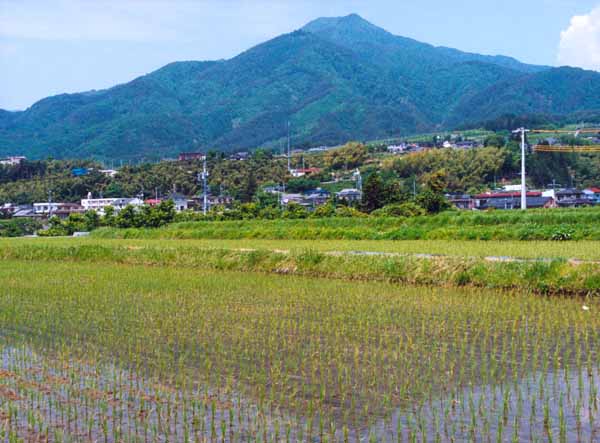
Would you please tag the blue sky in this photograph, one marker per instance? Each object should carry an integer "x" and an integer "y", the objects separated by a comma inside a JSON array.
[{"x": 49, "y": 47}]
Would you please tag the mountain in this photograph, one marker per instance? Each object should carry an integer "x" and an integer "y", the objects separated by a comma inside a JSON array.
[{"x": 335, "y": 79}]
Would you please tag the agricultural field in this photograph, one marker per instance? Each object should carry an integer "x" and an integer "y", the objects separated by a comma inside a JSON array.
[
  {"x": 570, "y": 268},
  {"x": 578, "y": 250},
  {"x": 125, "y": 352},
  {"x": 545, "y": 224}
]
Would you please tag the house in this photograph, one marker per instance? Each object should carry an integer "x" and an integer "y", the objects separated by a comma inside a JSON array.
[
  {"x": 66, "y": 209},
  {"x": 592, "y": 194},
  {"x": 349, "y": 195},
  {"x": 219, "y": 200},
  {"x": 240, "y": 156},
  {"x": 197, "y": 202},
  {"x": 276, "y": 189},
  {"x": 317, "y": 197},
  {"x": 318, "y": 149},
  {"x": 512, "y": 200},
  {"x": 186, "y": 156},
  {"x": 568, "y": 194},
  {"x": 108, "y": 172},
  {"x": 304, "y": 171},
  {"x": 511, "y": 188},
  {"x": 13, "y": 160},
  {"x": 572, "y": 198},
  {"x": 100, "y": 204},
  {"x": 179, "y": 200},
  {"x": 8, "y": 209},
  {"x": 25, "y": 211},
  {"x": 80, "y": 172},
  {"x": 294, "y": 198},
  {"x": 466, "y": 144},
  {"x": 11, "y": 210},
  {"x": 61, "y": 210},
  {"x": 396, "y": 149},
  {"x": 461, "y": 201}
]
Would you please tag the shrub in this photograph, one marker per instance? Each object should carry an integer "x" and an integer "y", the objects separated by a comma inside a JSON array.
[
  {"x": 563, "y": 233},
  {"x": 408, "y": 209}
]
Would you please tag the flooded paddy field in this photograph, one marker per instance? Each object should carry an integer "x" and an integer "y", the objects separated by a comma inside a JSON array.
[{"x": 98, "y": 352}]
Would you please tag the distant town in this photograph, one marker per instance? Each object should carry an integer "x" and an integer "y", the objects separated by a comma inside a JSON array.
[{"x": 506, "y": 196}]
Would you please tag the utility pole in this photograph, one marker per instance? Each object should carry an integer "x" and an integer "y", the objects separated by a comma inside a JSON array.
[
  {"x": 289, "y": 147},
  {"x": 414, "y": 186},
  {"x": 358, "y": 179},
  {"x": 522, "y": 131},
  {"x": 204, "y": 187},
  {"x": 49, "y": 203}
]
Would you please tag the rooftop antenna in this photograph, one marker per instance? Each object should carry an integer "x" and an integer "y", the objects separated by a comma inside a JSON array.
[{"x": 522, "y": 131}]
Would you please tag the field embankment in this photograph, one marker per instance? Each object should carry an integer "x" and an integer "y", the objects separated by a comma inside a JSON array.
[
  {"x": 561, "y": 224},
  {"x": 553, "y": 274}
]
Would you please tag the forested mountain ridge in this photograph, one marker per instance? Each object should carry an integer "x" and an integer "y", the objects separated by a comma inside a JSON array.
[{"x": 336, "y": 79}]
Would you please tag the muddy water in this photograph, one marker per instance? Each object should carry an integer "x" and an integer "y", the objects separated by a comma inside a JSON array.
[{"x": 52, "y": 398}]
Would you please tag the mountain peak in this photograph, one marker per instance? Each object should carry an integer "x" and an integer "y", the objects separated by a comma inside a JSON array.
[{"x": 349, "y": 23}]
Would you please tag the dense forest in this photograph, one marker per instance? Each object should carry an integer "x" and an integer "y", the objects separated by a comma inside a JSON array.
[{"x": 336, "y": 79}]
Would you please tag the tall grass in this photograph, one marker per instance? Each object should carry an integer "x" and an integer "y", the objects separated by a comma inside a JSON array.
[
  {"x": 556, "y": 275},
  {"x": 576, "y": 224}
]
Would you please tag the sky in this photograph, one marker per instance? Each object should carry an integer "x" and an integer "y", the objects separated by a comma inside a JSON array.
[{"x": 48, "y": 47}]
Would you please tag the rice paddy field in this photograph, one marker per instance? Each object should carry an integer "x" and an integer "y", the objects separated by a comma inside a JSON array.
[
  {"x": 124, "y": 353},
  {"x": 587, "y": 250},
  {"x": 179, "y": 341}
]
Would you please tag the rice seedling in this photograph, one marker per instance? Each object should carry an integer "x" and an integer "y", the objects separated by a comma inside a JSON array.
[{"x": 94, "y": 351}]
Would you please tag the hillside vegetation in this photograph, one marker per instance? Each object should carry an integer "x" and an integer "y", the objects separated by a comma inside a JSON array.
[{"x": 334, "y": 80}]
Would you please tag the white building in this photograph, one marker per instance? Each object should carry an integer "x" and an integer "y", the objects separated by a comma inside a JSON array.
[
  {"x": 61, "y": 210},
  {"x": 45, "y": 208},
  {"x": 109, "y": 172},
  {"x": 180, "y": 202},
  {"x": 100, "y": 204},
  {"x": 12, "y": 161},
  {"x": 350, "y": 195},
  {"x": 511, "y": 188}
]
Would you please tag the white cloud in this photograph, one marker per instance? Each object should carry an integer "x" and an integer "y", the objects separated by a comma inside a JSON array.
[{"x": 580, "y": 42}]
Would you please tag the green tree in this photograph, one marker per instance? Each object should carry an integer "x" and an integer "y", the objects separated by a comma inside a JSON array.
[
  {"x": 249, "y": 189},
  {"x": 91, "y": 220},
  {"x": 373, "y": 196},
  {"x": 351, "y": 155},
  {"x": 302, "y": 184},
  {"x": 127, "y": 217},
  {"x": 494, "y": 141},
  {"x": 433, "y": 202}
]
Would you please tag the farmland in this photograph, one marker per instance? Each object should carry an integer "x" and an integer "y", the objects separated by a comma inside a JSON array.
[
  {"x": 123, "y": 352},
  {"x": 238, "y": 334},
  {"x": 569, "y": 224},
  {"x": 580, "y": 250}
]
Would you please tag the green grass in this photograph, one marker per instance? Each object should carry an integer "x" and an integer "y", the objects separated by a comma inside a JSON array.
[
  {"x": 121, "y": 352},
  {"x": 465, "y": 263},
  {"x": 578, "y": 224},
  {"x": 581, "y": 250}
]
